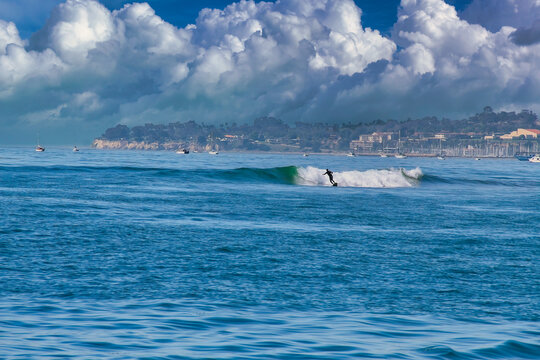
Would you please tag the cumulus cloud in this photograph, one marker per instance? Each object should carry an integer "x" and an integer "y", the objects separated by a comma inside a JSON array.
[
  {"x": 309, "y": 60},
  {"x": 8, "y": 35},
  {"x": 74, "y": 28},
  {"x": 445, "y": 66}
]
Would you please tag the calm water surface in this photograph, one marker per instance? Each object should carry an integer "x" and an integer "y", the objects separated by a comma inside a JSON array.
[{"x": 154, "y": 255}]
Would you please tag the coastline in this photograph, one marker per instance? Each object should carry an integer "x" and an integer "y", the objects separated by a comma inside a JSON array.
[{"x": 100, "y": 144}]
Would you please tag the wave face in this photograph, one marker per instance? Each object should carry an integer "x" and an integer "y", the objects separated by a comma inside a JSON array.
[
  {"x": 282, "y": 175},
  {"x": 391, "y": 178},
  {"x": 291, "y": 175},
  {"x": 312, "y": 176}
]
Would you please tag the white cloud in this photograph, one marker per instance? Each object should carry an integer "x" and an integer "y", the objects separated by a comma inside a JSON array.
[
  {"x": 445, "y": 66},
  {"x": 468, "y": 58},
  {"x": 74, "y": 28},
  {"x": 24, "y": 69},
  {"x": 296, "y": 59},
  {"x": 418, "y": 59},
  {"x": 8, "y": 35}
]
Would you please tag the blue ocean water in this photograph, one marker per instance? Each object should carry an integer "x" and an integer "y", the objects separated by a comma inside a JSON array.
[{"x": 154, "y": 255}]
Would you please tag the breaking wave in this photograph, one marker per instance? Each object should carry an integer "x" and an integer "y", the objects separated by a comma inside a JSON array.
[
  {"x": 312, "y": 176},
  {"x": 390, "y": 178},
  {"x": 291, "y": 175}
]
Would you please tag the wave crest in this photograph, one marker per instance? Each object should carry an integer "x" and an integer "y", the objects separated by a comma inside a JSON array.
[{"x": 390, "y": 178}]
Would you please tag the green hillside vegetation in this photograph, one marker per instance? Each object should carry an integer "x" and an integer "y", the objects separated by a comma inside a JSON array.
[{"x": 266, "y": 132}]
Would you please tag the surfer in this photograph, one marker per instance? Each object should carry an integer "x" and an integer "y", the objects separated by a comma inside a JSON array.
[{"x": 330, "y": 176}]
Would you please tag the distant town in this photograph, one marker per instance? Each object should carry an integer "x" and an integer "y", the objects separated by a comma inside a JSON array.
[{"x": 486, "y": 134}]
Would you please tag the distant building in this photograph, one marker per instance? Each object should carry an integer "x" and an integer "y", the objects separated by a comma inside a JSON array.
[
  {"x": 366, "y": 142},
  {"x": 376, "y": 137},
  {"x": 526, "y": 133}
]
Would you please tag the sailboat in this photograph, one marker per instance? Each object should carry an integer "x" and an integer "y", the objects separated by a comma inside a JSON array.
[
  {"x": 214, "y": 151},
  {"x": 39, "y": 148},
  {"x": 214, "y": 148},
  {"x": 400, "y": 155},
  {"x": 441, "y": 155}
]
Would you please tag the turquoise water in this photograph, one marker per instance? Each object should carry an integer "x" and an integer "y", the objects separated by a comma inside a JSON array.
[{"x": 154, "y": 255}]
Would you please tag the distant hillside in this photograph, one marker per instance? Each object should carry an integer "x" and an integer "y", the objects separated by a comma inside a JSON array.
[{"x": 267, "y": 133}]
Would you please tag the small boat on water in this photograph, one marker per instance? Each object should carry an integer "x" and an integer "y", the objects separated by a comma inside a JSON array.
[
  {"x": 441, "y": 157},
  {"x": 39, "y": 148},
  {"x": 535, "y": 158},
  {"x": 75, "y": 149},
  {"x": 523, "y": 156},
  {"x": 400, "y": 156},
  {"x": 182, "y": 151},
  {"x": 351, "y": 154},
  {"x": 213, "y": 149},
  {"x": 305, "y": 154},
  {"x": 383, "y": 155}
]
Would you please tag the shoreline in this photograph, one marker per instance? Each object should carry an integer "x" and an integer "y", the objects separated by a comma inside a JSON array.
[
  {"x": 411, "y": 155},
  {"x": 297, "y": 153},
  {"x": 450, "y": 152}
]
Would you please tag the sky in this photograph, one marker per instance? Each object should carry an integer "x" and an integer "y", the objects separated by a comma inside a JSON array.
[
  {"x": 70, "y": 69},
  {"x": 30, "y": 15}
]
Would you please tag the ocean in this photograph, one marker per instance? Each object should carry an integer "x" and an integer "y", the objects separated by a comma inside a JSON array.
[{"x": 155, "y": 255}]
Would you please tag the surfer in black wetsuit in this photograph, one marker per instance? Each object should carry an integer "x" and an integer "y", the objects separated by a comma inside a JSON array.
[{"x": 330, "y": 176}]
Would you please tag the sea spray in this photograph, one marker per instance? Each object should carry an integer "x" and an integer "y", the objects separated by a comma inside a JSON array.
[{"x": 389, "y": 178}]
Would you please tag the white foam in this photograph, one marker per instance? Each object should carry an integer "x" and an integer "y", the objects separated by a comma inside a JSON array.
[{"x": 391, "y": 178}]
